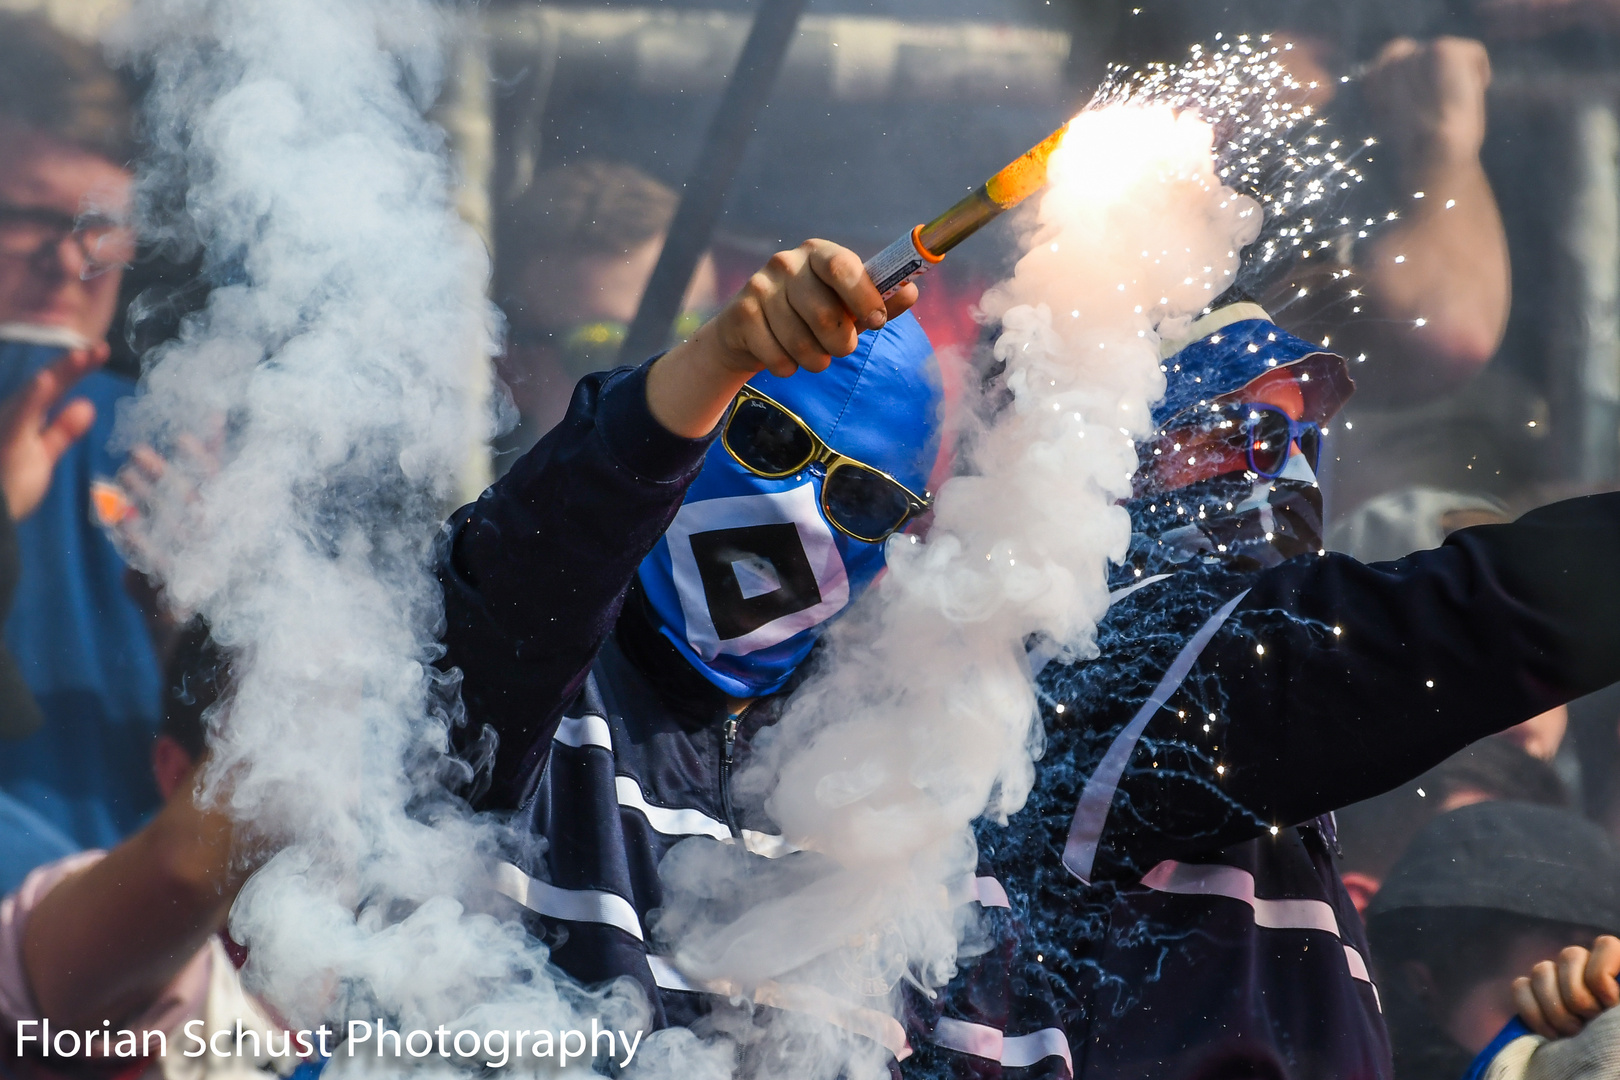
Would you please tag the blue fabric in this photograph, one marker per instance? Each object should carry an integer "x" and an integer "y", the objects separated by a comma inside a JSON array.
[
  {"x": 1224, "y": 361},
  {"x": 81, "y": 642},
  {"x": 26, "y": 841},
  {"x": 1514, "y": 1029},
  {"x": 766, "y": 670},
  {"x": 879, "y": 405}
]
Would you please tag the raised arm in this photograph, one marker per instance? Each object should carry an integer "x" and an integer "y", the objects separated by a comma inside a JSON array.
[
  {"x": 1438, "y": 279},
  {"x": 1427, "y": 297},
  {"x": 105, "y": 941},
  {"x": 535, "y": 572}
]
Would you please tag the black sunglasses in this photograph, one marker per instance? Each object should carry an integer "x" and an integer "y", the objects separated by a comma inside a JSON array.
[{"x": 862, "y": 502}]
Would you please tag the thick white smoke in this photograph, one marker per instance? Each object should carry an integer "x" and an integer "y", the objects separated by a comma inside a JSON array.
[
  {"x": 925, "y": 716},
  {"x": 334, "y": 357}
]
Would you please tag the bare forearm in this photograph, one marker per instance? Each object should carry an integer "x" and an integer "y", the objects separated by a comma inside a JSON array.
[
  {"x": 105, "y": 942},
  {"x": 803, "y": 308},
  {"x": 687, "y": 391},
  {"x": 1428, "y": 301},
  {"x": 1437, "y": 283}
]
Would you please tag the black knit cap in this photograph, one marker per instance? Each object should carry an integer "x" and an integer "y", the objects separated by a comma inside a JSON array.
[{"x": 1537, "y": 861}]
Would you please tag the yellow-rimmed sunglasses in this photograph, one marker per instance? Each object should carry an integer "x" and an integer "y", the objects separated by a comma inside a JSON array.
[{"x": 768, "y": 440}]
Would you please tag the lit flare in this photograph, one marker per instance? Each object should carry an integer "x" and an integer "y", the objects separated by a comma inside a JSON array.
[{"x": 914, "y": 253}]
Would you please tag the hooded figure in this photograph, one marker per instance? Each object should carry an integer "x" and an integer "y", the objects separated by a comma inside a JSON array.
[
  {"x": 1166, "y": 904},
  {"x": 1276, "y": 510},
  {"x": 751, "y": 568},
  {"x": 629, "y": 608}
]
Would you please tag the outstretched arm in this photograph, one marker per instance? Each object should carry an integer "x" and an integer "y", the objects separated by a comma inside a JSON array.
[{"x": 1335, "y": 681}]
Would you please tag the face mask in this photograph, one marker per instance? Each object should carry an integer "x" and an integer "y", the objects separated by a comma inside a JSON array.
[
  {"x": 1279, "y": 519},
  {"x": 1269, "y": 520},
  {"x": 1238, "y": 517},
  {"x": 750, "y": 571},
  {"x": 747, "y": 573}
]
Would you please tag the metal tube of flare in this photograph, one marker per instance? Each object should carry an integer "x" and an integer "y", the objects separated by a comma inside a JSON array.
[{"x": 914, "y": 253}]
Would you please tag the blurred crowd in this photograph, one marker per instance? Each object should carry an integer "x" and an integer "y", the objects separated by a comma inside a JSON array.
[{"x": 1483, "y": 883}]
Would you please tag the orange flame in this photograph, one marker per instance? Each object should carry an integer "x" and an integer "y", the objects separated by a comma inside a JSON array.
[{"x": 1025, "y": 176}]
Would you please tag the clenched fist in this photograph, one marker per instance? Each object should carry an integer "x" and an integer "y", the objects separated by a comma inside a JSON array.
[{"x": 801, "y": 309}]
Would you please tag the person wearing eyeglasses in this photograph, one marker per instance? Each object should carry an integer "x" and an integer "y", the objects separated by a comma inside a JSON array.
[
  {"x": 633, "y": 601},
  {"x": 79, "y": 638},
  {"x": 574, "y": 253}
]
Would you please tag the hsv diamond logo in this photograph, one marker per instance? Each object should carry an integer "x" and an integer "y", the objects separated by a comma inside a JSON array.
[
  {"x": 754, "y": 570},
  {"x": 753, "y": 576}
]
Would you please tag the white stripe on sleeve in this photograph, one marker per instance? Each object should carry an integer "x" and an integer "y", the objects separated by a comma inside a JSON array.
[
  {"x": 1119, "y": 594},
  {"x": 576, "y": 905},
  {"x": 585, "y": 730},
  {"x": 966, "y": 1038},
  {"x": 669, "y": 821},
  {"x": 989, "y": 893},
  {"x": 668, "y": 976},
  {"x": 686, "y": 821},
  {"x": 1235, "y": 884},
  {"x": 1091, "y": 815},
  {"x": 1022, "y": 1051},
  {"x": 984, "y": 891}
]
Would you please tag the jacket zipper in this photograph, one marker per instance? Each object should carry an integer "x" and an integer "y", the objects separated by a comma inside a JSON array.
[{"x": 728, "y": 745}]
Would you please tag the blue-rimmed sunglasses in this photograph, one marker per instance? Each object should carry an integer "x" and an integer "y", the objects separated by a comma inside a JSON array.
[{"x": 1262, "y": 432}]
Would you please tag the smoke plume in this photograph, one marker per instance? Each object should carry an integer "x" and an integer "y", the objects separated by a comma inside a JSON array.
[
  {"x": 924, "y": 716},
  {"x": 330, "y": 371}
]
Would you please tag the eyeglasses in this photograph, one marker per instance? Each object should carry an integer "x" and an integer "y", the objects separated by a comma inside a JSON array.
[
  {"x": 104, "y": 242},
  {"x": 592, "y": 346},
  {"x": 862, "y": 502},
  {"x": 1262, "y": 433}
]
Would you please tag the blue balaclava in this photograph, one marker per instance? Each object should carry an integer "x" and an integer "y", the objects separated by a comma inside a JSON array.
[{"x": 750, "y": 570}]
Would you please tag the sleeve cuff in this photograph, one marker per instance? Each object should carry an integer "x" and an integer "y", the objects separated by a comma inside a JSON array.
[{"x": 637, "y": 440}]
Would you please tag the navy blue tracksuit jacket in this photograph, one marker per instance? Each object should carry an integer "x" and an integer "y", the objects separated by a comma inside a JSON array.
[{"x": 1185, "y": 782}]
